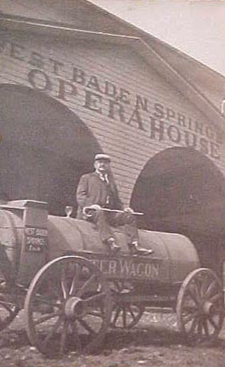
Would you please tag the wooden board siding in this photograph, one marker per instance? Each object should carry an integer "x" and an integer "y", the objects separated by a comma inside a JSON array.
[{"x": 48, "y": 65}]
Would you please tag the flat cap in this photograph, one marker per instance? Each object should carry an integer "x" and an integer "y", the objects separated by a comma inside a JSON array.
[{"x": 102, "y": 156}]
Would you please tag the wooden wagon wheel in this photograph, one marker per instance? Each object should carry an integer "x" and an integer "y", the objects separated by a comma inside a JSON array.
[
  {"x": 200, "y": 307},
  {"x": 68, "y": 304},
  {"x": 8, "y": 312},
  {"x": 8, "y": 308},
  {"x": 124, "y": 314}
]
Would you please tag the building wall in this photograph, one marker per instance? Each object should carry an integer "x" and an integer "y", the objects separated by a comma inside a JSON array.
[
  {"x": 82, "y": 14},
  {"x": 131, "y": 110}
]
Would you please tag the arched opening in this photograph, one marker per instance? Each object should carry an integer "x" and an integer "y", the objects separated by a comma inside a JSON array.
[
  {"x": 44, "y": 148},
  {"x": 182, "y": 191}
]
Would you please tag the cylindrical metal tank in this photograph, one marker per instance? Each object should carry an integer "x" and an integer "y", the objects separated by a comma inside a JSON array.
[
  {"x": 175, "y": 253},
  {"x": 23, "y": 240},
  {"x": 25, "y": 247},
  {"x": 11, "y": 232}
]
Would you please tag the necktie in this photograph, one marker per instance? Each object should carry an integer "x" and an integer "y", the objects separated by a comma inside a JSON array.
[{"x": 104, "y": 178}]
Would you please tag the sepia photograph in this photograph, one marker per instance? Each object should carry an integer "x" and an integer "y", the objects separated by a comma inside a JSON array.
[{"x": 112, "y": 183}]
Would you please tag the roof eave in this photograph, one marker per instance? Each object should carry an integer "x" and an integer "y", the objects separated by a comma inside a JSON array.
[{"x": 138, "y": 45}]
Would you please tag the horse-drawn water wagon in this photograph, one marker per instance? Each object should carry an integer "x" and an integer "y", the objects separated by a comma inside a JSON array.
[{"x": 72, "y": 291}]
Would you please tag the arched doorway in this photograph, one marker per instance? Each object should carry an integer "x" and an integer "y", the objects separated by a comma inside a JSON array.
[
  {"x": 44, "y": 148},
  {"x": 180, "y": 190}
]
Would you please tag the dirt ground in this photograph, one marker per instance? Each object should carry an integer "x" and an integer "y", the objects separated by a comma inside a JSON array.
[{"x": 154, "y": 342}]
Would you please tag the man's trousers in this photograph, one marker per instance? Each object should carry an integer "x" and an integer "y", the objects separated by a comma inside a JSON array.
[{"x": 104, "y": 220}]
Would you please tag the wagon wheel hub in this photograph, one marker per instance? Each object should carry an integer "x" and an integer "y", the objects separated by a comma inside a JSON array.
[
  {"x": 74, "y": 307},
  {"x": 207, "y": 308}
]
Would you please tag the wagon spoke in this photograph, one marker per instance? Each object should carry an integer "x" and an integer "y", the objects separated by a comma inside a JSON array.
[
  {"x": 205, "y": 327},
  {"x": 190, "y": 317},
  {"x": 86, "y": 326},
  {"x": 202, "y": 281},
  {"x": 131, "y": 312},
  {"x": 8, "y": 312},
  {"x": 199, "y": 328},
  {"x": 43, "y": 300},
  {"x": 218, "y": 311},
  {"x": 73, "y": 285},
  {"x": 55, "y": 290},
  {"x": 63, "y": 336},
  {"x": 53, "y": 331},
  {"x": 86, "y": 285},
  {"x": 124, "y": 316},
  {"x": 204, "y": 285},
  {"x": 193, "y": 293},
  {"x": 76, "y": 335},
  {"x": 96, "y": 313},
  {"x": 212, "y": 322},
  {"x": 197, "y": 292},
  {"x": 213, "y": 287},
  {"x": 189, "y": 307},
  {"x": 116, "y": 315},
  {"x": 193, "y": 326},
  {"x": 96, "y": 298},
  {"x": 47, "y": 317},
  {"x": 216, "y": 298},
  {"x": 64, "y": 283}
]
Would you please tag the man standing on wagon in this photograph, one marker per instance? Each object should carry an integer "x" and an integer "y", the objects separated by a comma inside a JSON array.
[{"x": 97, "y": 190}]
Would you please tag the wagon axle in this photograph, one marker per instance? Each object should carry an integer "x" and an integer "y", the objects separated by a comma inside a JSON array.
[
  {"x": 75, "y": 307},
  {"x": 207, "y": 308}
]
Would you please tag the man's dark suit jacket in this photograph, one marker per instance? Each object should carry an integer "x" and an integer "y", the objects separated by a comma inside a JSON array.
[{"x": 92, "y": 190}]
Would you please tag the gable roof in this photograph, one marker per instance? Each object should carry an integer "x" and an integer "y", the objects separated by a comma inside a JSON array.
[
  {"x": 103, "y": 26},
  {"x": 97, "y": 19}
]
